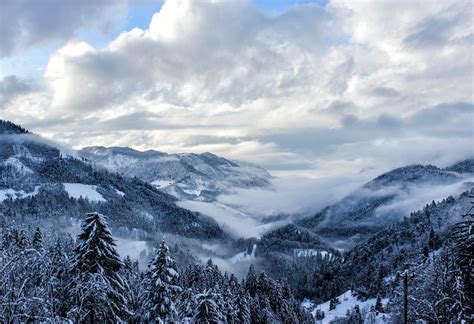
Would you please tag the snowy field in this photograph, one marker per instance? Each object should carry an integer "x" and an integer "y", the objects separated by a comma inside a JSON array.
[
  {"x": 79, "y": 190},
  {"x": 347, "y": 303},
  {"x": 15, "y": 194}
]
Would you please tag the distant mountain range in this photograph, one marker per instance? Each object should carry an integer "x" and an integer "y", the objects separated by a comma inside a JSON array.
[
  {"x": 200, "y": 177},
  {"x": 39, "y": 182}
]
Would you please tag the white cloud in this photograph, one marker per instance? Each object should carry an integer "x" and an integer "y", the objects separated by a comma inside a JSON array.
[
  {"x": 25, "y": 23},
  {"x": 312, "y": 90}
]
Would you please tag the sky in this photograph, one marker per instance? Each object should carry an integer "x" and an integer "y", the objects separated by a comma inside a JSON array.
[{"x": 306, "y": 88}]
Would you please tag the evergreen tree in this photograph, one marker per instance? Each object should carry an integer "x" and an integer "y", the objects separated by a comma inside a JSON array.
[
  {"x": 207, "y": 311},
  {"x": 133, "y": 283},
  {"x": 162, "y": 287},
  {"x": 378, "y": 305},
  {"x": 96, "y": 285},
  {"x": 333, "y": 303},
  {"x": 251, "y": 283},
  {"x": 38, "y": 239},
  {"x": 243, "y": 311}
]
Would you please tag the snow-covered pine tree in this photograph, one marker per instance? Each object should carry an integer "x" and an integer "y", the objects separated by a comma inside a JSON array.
[
  {"x": 243, "y": 308},
  {"x": 378, "y": 305},
  {"x": 162, "y": 287},
  {"x": 58, "y": 280},
  {"x": 133, "y": 283},
  {"x": 38, "y": 239},
  {"x": 185, "y": 306},
  {"x": 463, "y": 236},
  {"x": 207, "y": 310},
  {"x": 251, "y": 283},
  {"x": 96, "y": 285}
]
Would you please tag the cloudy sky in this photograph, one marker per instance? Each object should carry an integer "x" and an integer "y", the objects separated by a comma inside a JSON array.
[{"x": 311, "y": 88}]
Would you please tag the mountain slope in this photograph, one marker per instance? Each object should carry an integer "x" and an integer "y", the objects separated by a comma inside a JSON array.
[
  {"x": 39, "y": 181},
  {"x": 186, "y": 176},
  {"x": 386, "y": 200}
]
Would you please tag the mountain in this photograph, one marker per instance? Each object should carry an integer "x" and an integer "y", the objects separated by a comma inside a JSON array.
[
  {"x": 40, "y": 182},
  {"x": 200, "y": 177},
  {"x": 386, "y": 200}
]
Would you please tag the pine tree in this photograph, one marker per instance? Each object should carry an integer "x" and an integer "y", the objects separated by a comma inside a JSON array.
[
  {"x": 333, "y": 303},
  {"x": 96, "y": 285},
  {"x": 433, "y": 242},
  {"x": 251, "y": 283},
  {"x": 163, "y": 288},
  {"x": 319, "y": 316},
  {"x": 58, "y": 280},
  {"x": 133, "y": 283},
  {"x": 378, "y": 305},
  {"x": 243, "y": 309},
  {"x": 207, "y": 311},
  {"x": 463, "y": 237},
  {"x": 186, "y": 306},
  {"x": 38, "y": 239}
]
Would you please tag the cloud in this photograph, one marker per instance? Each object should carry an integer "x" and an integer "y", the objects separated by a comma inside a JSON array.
[
  {"x": 295, "y": 195},
  {"x": 25, "y": 23},
  {"x": 313, "y": 90},
  {"x": 11, "y": 87}
]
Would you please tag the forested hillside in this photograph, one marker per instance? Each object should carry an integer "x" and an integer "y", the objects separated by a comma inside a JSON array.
[{"x": 47, "y": 276}]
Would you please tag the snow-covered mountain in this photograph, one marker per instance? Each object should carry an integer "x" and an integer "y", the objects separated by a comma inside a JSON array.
[
  {"x": 388, "y": 199},
  {"x": 186, "y": 176},
  {"x": 39, "y": 181}
]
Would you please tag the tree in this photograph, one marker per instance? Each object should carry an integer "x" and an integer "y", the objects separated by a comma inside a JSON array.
[
  {"x": 207, "y": 311},
  {"x": 433, "y": 241},
  {"x": 162, "y": 287},
  {"x": 333, "y": 303},
  {"x": 243, "y": 311},
  {"x": 251, "y": 283},
  {"x": 463, "y": 237},
  {"x": 133, "y": 283},
  {"x": 38, "y": 239},
  {"x": 378, "y": 305},
  {"x": 96, "y": 285}
]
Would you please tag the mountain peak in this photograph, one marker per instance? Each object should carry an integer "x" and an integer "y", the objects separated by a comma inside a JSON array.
[{"x": 9, "y": 128}]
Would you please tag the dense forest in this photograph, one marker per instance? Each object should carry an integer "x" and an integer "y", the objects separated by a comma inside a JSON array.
[{"x": 47, "y": 276}]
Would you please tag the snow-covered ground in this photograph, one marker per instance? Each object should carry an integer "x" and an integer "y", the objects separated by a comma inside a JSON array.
[
  {"x": 78, "y": 190},
  {"x": 162, "y": 183},
  {"x": 120, "y": 193},
  {"x": 310, "y": 253},
  {"x": 347, "y": 302},
  {"x": 15, "y": 194}
]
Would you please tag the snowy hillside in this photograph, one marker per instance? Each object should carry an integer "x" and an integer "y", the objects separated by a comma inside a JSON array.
[
  {"x": 191, "y": 176},
  {"x": 387, "y": 199},
  {"x": 37, "y": 180},
  {"x": 344, "y": 304}
]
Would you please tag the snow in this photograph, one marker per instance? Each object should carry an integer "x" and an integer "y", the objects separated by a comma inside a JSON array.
[
  {"x": 347, "y": 302},
  {"x": 162, "y": 183},
  {"x": 19, "y": 167},
  {"x": 120, "y": 193},
  {"x": 310, "y": 252},
  {"x": 17, "y": 194},
  {"x": 78, "y": 190}
]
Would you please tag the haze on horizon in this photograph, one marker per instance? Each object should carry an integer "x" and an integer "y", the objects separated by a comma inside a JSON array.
[{"x": 300, "y": 87}]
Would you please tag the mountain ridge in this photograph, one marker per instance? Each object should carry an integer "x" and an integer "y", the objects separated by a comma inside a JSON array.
[{"x": 187, "y": 176}]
